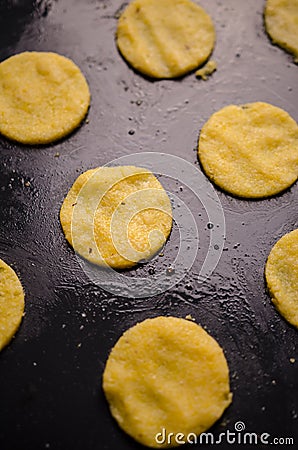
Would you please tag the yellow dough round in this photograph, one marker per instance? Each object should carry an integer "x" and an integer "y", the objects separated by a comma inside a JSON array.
[
  {"x": 166, "y": 373},
  {"x": 250, "y": 150},
  {"x": 11, "y": 303},
  {"x": 281, "y": 22},
  {"x": 43, "y": 97},
  {"x": 282, "y": 276},
  {"x": 165, "y": 38},
  {"x": 116, "y": 216}
]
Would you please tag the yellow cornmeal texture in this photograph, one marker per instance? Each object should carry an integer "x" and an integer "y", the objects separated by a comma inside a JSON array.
[
  {"x": 167, "y": 373},
  {"x": 43, "y": 97},
  {"x": 206, "y": 70},
  {"x": 165, "y": 38},
  {"x": 116, "y": 216},
  {"x": 282, "y": 276},
  {"x": 11, "y": 303},
  {"x": 281, "y": 21},
  {"x": 250, "y": 150}
]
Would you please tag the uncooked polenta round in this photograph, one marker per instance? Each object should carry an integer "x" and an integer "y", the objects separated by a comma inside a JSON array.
[
  {"x": 116, "y": 216},
  {"x": 43, "y": 97},
  {"x": 11, "y": 303},
  {"x": 165, "y": 38},
  {"x": 282, "y": 276},
  {"x": 166, "y": 374},
  {"x": 281, "y": 21},
  {"x": 250, "y": 150}
]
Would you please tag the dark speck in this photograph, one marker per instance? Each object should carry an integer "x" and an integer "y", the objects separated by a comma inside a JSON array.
[{"x": 131, "y": 132}]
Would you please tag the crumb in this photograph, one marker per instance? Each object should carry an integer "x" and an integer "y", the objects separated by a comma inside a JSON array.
[
  {"x": 206, "y": 70},
  {"x": 189, "y": 317}
]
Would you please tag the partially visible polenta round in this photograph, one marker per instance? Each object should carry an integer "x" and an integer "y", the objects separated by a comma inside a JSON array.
[
  {"x": 43, "y": 97},
  {"x": 250, "y": 150},
  {"x": 281, "y": 273},
  {"x": 11, "y": 303},
  {"x": 165, "y": 38},
  {"x": 281, "y": 22},
  {"x": 116, "y": 216},
  {"x": 166, "y": 375}
]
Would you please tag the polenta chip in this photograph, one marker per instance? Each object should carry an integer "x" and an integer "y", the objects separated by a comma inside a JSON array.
[
  {"x": 116, "y": 216},
  {"x": 165, "y": 38},
  {"x": 11, "y": 303},
  {"x": 166, "y": 375},
  {"x": 43, "y": 97},
  {"x": 281, "y": 22},
  {"x": 282, "y": 276},
  {"x": 250, "y": 150}
]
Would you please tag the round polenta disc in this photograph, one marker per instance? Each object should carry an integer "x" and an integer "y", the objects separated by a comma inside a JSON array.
[
  {"x": 250, "y": 150},
  {"x": 116, "y": 216},
  {"x": 282, "y": 276},
  {"x": 43, "y": 97},
  {"x": 165, "y": 38},
  {"x": 167, "y": 374},
  {"x": 11, "y": 303},
  {"x": 281, "y": 22}
]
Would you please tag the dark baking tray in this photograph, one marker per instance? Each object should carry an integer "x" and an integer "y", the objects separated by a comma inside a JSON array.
[{"x": 50, "y": 374}]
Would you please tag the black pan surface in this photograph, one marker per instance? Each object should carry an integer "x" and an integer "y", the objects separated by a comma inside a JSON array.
[{"x": 50, "y": 374}]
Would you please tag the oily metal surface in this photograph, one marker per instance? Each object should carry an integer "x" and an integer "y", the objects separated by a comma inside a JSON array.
[{"x": 50, "y": 375}]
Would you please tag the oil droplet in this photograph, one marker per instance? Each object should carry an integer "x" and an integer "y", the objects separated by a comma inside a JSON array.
[
  {"x": 170, "y": 271},
  {"x": 210, "y": 225}
]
